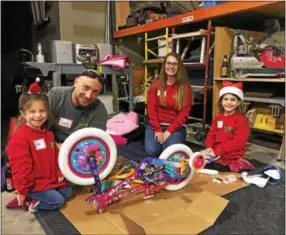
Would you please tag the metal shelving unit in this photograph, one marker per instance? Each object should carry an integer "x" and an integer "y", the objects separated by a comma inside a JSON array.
[
  {"x": 217, "y": 13},
  {"x": 205, "y": 35},
  {"x": 274, "y": 100},
  {"x": 251, "y": 79},
  {"x": 59, "y": 69},
  {"x": 148, "y": 51},
  {"x": 224, "y": 37},
  {"x": 241, "y": 15}
]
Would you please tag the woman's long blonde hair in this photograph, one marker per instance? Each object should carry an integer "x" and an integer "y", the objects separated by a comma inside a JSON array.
[{"x": 182, "y": 82}]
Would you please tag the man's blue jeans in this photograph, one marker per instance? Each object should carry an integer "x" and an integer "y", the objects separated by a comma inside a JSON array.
[
  {"x": 153, "y": 148},
  {"x": 51, "y": 199}
]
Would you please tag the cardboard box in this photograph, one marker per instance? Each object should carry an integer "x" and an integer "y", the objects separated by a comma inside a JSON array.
[
  {"x": 181, "y": 212},
  {"x": 176, "y": 216}
]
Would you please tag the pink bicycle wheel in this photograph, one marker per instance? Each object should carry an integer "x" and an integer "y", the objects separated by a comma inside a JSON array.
[
  {"x": 176, "y": 153},
  {"x": 75, "y": 150}
]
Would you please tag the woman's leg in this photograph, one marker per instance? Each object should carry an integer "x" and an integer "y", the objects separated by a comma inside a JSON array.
[
  {"x": 49, "y": 199},
  {"x": 178, "y": 137},
  {"x": 65, "y": 192},
  {"x": 152, "y": 147}
]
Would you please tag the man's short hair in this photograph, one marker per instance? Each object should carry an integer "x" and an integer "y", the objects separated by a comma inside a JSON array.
[{"x": 93, "y": 74}]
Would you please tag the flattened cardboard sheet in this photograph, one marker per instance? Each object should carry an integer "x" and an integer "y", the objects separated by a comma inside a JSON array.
[
  {"x": 141, "y": 214},
  {"x": 182, "y": 218}
]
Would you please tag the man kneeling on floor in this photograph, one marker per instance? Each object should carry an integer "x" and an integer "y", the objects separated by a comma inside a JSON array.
[{"x": 76, "y": 107}]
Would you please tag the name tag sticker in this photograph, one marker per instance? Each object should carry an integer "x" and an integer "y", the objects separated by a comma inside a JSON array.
[
  {"x": 40, "y": 144},
  {"x": 64, "y": 122},
  {"x": 219, "y": 124}
]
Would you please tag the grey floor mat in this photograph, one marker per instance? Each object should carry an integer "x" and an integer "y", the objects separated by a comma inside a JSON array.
[
  {"x": 260, "y": 212},
  {"x": 55, "y": 223}
]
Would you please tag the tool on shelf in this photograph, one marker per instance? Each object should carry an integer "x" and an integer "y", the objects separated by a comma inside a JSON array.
[
  {"x": 272, "y": 122},
  {"x": 252, "y": 59},
  {"x": 275, "y": 110}
]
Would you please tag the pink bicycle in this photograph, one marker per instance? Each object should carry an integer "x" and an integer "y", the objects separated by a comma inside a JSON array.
[{"x": 88, "y": 156}]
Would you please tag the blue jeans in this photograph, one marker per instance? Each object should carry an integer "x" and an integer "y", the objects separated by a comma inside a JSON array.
[
  {"x": 153, "y": 148},
  {"x": 51, "y": 199}
]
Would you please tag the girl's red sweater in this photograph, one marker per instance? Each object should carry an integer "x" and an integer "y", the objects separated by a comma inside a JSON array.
[
  {"x": 228, "y": 137},
  {"x": 33, "y": 156}
]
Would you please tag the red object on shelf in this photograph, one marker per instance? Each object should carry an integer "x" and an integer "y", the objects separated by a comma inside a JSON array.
[{"x": 272, "y": 61}]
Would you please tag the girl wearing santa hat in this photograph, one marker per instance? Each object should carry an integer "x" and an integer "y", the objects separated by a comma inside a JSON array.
[
  {"x": 33, "y": 155},
  {"x": 226, "y": 141}
]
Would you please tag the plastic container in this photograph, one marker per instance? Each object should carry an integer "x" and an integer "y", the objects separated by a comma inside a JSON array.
[{"x": 206, "y": 4}]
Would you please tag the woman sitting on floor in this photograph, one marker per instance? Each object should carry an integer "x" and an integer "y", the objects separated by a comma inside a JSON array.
[{"x": 168, "y": 106}]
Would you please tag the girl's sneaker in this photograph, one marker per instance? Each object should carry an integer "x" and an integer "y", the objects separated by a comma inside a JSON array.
[
  {"x": 33, "y": 206},
  {"x": 13, "y": 204}
]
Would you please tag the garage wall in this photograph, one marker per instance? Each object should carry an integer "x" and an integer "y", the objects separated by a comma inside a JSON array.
[{"x": 82, "y": 22}]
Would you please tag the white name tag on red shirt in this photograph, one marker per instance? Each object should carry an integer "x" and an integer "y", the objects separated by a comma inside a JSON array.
[
  {"x": 219, "y": 124},
  {"x": 40, "y": 144},
  {"x": 64, "y": 122}
]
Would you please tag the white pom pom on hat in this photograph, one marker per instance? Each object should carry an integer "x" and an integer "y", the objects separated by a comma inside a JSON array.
[{"x": 35, "y": 87}]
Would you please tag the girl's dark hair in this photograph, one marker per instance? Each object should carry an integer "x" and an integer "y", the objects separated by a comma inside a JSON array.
[{"x": 26, "y": 100}]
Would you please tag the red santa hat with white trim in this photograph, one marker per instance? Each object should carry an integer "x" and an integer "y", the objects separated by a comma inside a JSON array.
[
  {"x": 231, "y": 88},
  {"x": 35, "y": 87}
]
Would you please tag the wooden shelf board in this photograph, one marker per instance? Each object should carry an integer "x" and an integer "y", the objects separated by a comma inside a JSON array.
[
  {"x": 160, "y": 61},
  {"x": 251, "y": 79},
  {"x": 224, "y": 9},
  {"x": 153, "y": 61},
  {"x": 268, "y": 131},
  {"x": 274, "y": 100},
  {"x": 188, "y": 35},
  {"x": 189, "y": 64}
]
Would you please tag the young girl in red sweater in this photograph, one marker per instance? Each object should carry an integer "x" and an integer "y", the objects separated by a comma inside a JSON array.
[
  {"x": 228, "y": 135},
  {"x": 168, "y": 106},
  {"x": 33, "y": 155}
]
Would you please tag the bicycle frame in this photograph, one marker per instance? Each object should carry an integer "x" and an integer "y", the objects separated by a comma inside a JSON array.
[{"x": 102, "y": 199}]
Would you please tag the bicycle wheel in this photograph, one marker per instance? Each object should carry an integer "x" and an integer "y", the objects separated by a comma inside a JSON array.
[
  {"x": 175, "y": 153},
  {"x": 74, "y": 153}
]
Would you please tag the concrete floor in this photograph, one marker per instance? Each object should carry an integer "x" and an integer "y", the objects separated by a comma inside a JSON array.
[
  {"x": 18, "y": 221},
  {"x": 21, "y": 222},
  {"x": 265, "y": 155}
]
